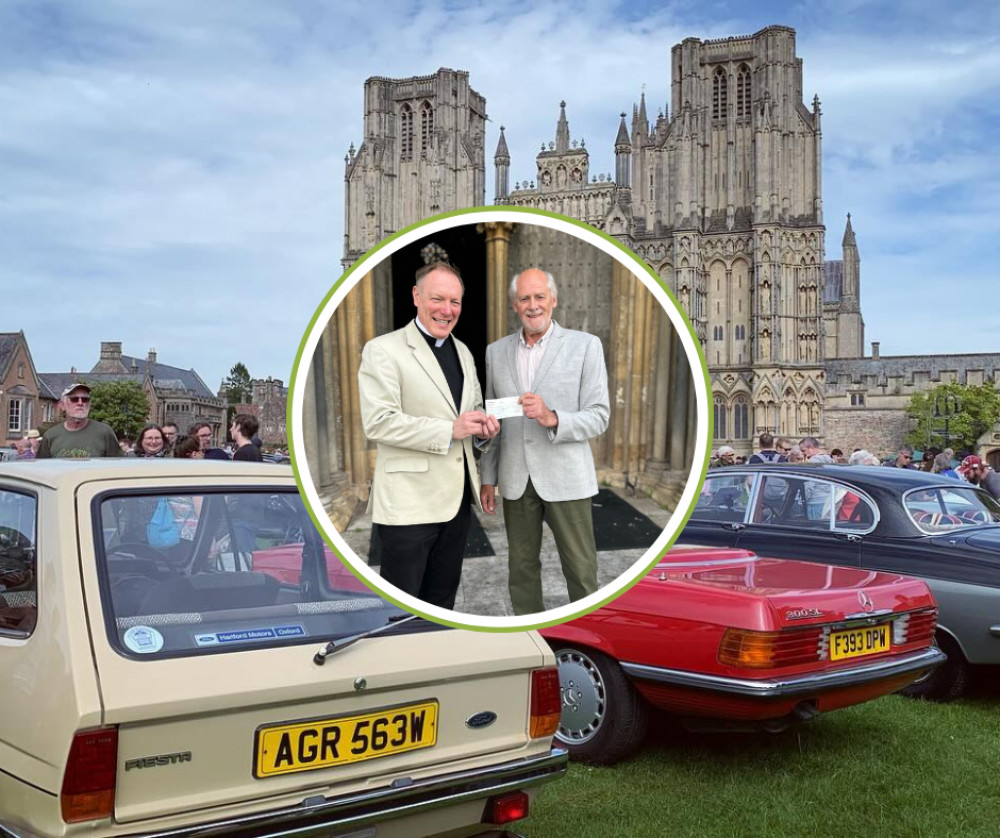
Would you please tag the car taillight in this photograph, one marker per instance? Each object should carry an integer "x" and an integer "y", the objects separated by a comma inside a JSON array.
[
  {"x": 546, "y": 702},
  {"x": 915, "y": 627},
  {"x": 506, "y": 808},
  {"x": 88, "y": 789},
  {"x": 748, "y": 649}
]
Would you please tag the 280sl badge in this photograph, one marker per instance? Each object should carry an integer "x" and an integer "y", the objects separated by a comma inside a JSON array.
[{"x": 803, "y": 614}]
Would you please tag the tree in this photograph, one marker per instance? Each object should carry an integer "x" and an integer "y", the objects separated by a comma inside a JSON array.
[
  {"x": 237, "y": 386},
  {"x": 121, "y": 404},
  {"x": 970, "y": 412}
]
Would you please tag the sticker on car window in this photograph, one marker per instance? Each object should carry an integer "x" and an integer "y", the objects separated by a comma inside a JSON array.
[
  {"x": 143, "y": 640},
  {"x": 248, "y": 635}
]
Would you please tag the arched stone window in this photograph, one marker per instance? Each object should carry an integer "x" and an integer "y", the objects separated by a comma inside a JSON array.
[
  {"x": 406, "y": 132},
  {"x": 741, "y": 418},
  {"x": 720, "y": 93},
  {"x": 426, "y": 125},
  {"x": 719, "y": 418},
  {"x": 743, "y": 91}
]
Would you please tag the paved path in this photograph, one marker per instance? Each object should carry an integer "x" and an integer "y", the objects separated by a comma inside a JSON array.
[{"x": 483, "y": 590}]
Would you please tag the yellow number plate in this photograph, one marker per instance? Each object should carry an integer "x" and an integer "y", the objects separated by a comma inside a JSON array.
[
  {"x": 856, "y": 643},
  {"x": 321, "y": 743}
]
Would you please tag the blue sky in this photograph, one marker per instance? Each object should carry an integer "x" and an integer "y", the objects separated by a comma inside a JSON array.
[{"x": 171, "y": 175}]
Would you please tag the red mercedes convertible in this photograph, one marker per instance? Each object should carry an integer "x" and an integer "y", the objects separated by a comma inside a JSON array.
[{"x": 726, "y": 639}]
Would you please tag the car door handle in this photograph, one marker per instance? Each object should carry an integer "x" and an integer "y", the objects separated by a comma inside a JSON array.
[
  {"x": 736, "y": 527},
  {"x": 995, "y": 630},
  {"x": 854, "y": 537}
]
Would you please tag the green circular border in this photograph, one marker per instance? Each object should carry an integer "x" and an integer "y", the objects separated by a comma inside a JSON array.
[{"x": 473, "y": 211}]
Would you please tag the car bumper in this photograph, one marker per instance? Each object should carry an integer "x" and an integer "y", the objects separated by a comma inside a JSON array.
[
  {"x": 316, "y": 816},
  {"x": 799, "y": 685}
]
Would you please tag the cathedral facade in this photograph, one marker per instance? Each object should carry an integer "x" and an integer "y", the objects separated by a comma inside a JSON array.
[{"x": 720, "y": 193}]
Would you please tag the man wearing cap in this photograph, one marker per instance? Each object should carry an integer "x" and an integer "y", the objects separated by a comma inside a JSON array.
[
  {"x": 78, "y": 436},
  {"x": 978, "y": 473}
]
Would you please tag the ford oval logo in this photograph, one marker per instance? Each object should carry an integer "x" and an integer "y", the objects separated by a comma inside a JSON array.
[{"x": 480, "y": 720}]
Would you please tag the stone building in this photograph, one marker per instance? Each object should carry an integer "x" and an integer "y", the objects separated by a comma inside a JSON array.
[
  {"x": 720, "y": 193},
  {"x": 25, "y": 400},
  {"x": 269, "y": 403},
  {"x": 422, "y": 154}
]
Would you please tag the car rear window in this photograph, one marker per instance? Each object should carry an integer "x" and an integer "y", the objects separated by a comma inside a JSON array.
[
  {"x": 18, "y": 572},
  {"x": 944, "y": 509},
  {"x": 186, "y": 574}
]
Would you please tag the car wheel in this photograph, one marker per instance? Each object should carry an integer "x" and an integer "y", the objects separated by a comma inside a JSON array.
[
  {"x": 603, "y": 717},
  {"x": 948, "y": 681}
]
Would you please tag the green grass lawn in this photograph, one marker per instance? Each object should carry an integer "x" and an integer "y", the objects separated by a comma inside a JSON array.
[{"x": 890, "y": 767}]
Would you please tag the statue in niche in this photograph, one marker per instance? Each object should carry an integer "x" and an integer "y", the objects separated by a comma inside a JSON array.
[
  {"x": 765, "y": 345},
  {"x": 561, "y": 177},
  {"x": 576, "y": 176},
  {"x": 765, "y": 298},
  {"x": 546, "y": 178}
]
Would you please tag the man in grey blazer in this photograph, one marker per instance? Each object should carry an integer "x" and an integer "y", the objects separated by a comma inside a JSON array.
[
  {"x": 542, "y": 461},
  {"x": 422, "y": 405}
]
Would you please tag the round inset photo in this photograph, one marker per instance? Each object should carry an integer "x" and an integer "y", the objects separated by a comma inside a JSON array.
[{"x": 499, "y": 418}]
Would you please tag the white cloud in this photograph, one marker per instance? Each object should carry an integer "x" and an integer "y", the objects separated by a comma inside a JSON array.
[{"x": 171, "y": 175}]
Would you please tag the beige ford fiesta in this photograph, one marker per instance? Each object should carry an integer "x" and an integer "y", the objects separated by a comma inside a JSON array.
[{"x": 181, "y": 655}]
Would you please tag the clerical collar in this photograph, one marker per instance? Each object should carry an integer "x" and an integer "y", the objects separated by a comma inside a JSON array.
[{"x": 438, "y": 342}]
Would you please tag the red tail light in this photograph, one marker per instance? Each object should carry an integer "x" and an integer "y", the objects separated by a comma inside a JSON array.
[
  {"x": 546, "y": 702},
  {"x": 88, "y": 789},
  {"x": 748, "y": 649},
  {"x": 506, "y": 808}
]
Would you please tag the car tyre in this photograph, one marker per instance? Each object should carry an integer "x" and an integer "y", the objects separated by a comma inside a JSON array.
[
  {"x": 603, "y": 718},
  {"x": 948, "y": 681}
]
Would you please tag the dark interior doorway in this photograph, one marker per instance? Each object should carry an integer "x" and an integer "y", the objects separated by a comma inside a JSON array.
[{"x": 466, "y": 250}]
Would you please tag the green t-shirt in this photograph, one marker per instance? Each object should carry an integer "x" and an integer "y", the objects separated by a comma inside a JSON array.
[{"x": 95, "y": 439}]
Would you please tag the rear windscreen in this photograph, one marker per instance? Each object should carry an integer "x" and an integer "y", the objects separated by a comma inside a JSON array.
[{"x": 221, "y": 571}]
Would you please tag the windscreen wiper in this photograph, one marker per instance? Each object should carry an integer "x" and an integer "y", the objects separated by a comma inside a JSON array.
[{"x": 343, "y": 642}]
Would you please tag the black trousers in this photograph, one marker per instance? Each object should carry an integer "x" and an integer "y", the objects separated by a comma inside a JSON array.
[{"x": 425, "y": 560}]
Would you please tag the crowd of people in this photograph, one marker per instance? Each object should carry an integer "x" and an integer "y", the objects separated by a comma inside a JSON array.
[
  {"x": 967, "y": 467},
  {"x": 80, "y": 436}
]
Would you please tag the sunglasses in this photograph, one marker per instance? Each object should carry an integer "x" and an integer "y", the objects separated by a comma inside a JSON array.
[{"x": 78, "y": 399}]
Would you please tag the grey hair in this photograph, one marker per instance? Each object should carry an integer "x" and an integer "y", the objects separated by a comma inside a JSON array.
[
  {"x": 512, "y": 289},
  {"x": 863, "y": 458}
]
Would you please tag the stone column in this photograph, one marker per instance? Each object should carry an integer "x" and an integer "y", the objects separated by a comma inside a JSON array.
[
  {"x": 355, "y": 325},
  {"x": 660, "y": 408},
  {"x": 638, "y": 375},
  {"x": 497, "y": 305},
  {"x": 619, "y": 365}
]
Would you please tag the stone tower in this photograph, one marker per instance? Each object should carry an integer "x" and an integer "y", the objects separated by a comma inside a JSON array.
[
  {"x": 724, "y": 202},
  {"x": 422, "y": 154}
]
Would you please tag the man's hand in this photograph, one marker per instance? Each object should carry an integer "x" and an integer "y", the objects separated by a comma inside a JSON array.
[
  {"x": 491, "y": 427},
  {"x": 474, "y": 423},
  {"x": 488, "y": 498},
  {"x": 534, "y": 408}
]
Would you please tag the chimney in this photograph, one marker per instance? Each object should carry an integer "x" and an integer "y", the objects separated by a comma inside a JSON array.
[
  {"x": 875, "y": 350},
  {"x": 111, "y": 350}
]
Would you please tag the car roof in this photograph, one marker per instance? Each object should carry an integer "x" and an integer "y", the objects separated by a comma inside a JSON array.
[
  {"x": 880, "y": 477},
  {"x": 67, "y": 473}
]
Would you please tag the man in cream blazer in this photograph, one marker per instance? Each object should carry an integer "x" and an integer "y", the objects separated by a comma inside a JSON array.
[
  {"x": 542, "y": 461},
  {"x": 422, "y": 405}
]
